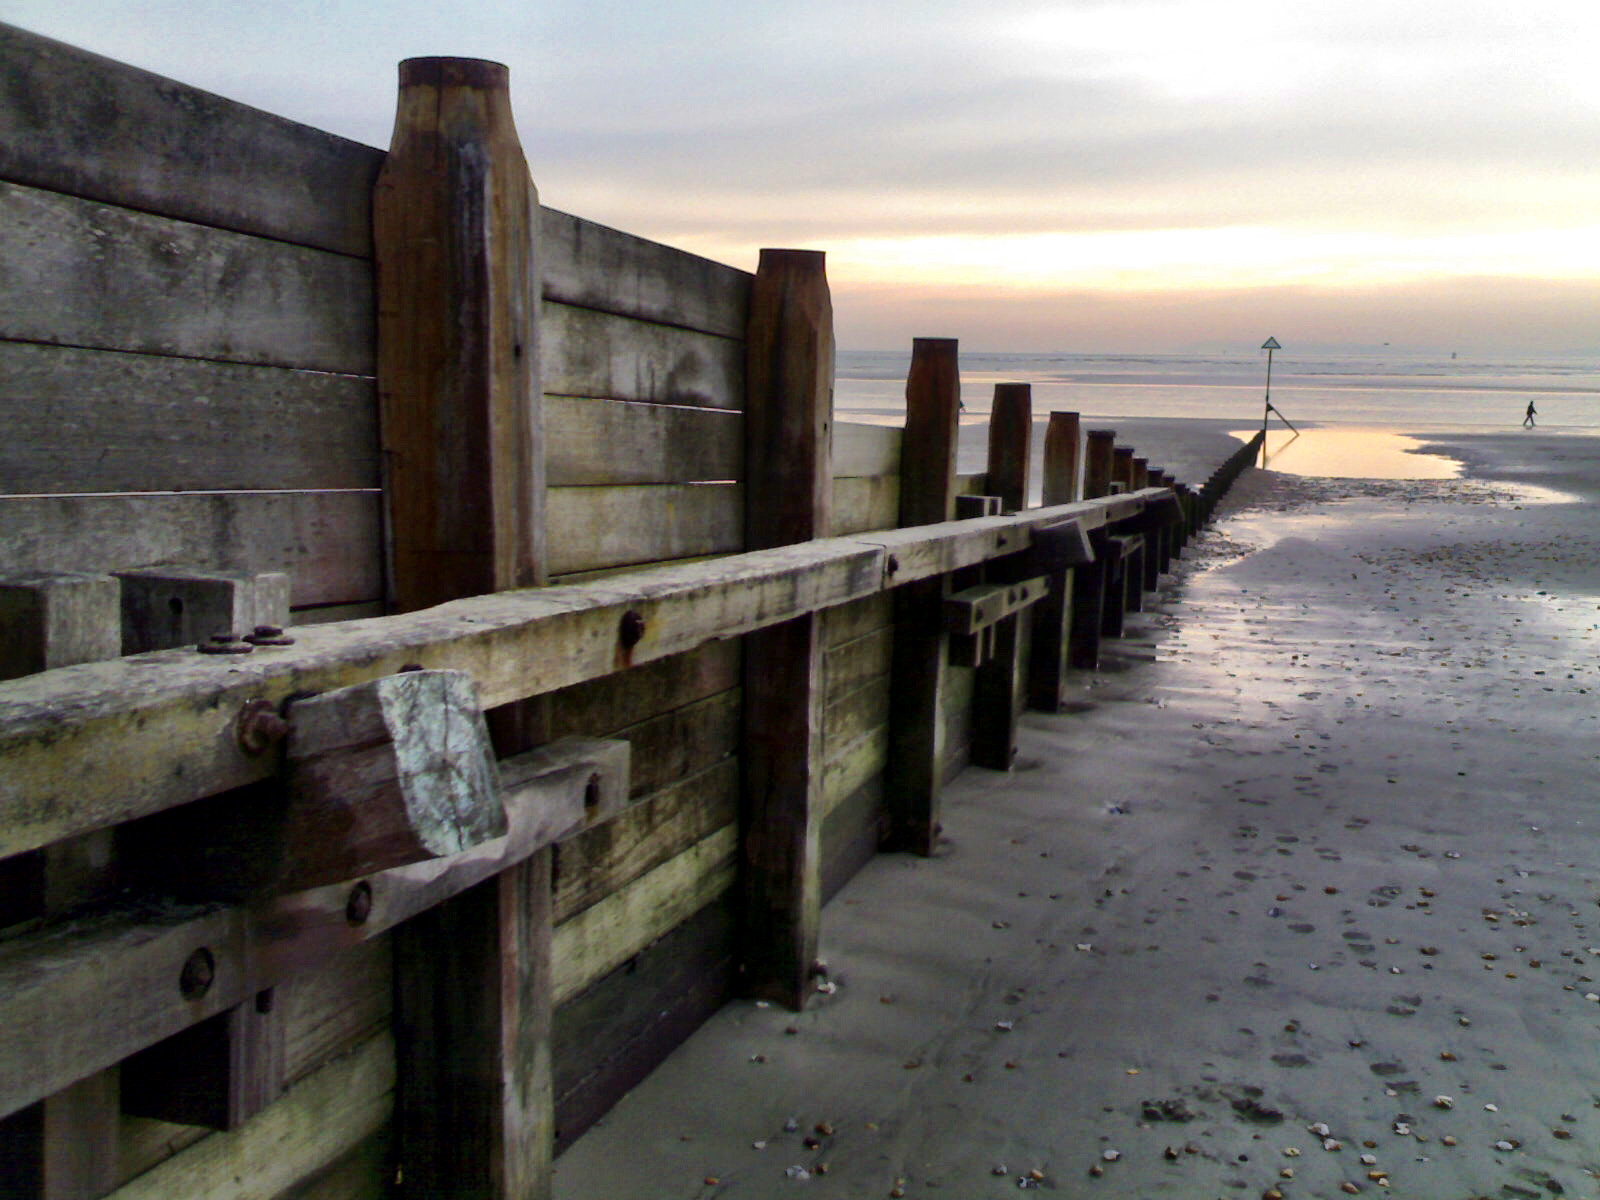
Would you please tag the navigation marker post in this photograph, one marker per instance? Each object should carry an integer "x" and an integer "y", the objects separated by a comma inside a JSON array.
[{"x": 1269, "y": 346}]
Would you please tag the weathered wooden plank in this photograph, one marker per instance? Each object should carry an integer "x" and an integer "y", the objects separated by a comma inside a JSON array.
[
  {"x": 317, "y": 1121},
  {"x": 329, "y": 542},
  {"x": 616, "y": 442},
  {"x": 101, "y": 421},
  {"x": 864, "y": 503},
  {"x": 593, "y": 266},
  {"x": 79, "y": 273},
  {"x": 850, "y": 834},
  {"x": 854, "y": 764},
  {"x": 601, "y": 860},
  {"x": 609, "y": 1037},
  {"x": 856, "y": 663},
  {"x": 78, "y": 123},
  {"x": 155, "y": 731},
  {"x": 857, "y": 619},
  {"x": 602, "y": 706},
  {"x": 181, "y": 964},
  {"x": 677, "y": 743},
  {"x": 362, "y": 1173},
  {"x": 589, "y": 353},
  {"x": 865, "y": 450},
  {"x": 607, "y": 934},
  {"x": 596, "y": 527},
  {"x": 334, "y": 1005},
  {"x": 848, "y": 717}
]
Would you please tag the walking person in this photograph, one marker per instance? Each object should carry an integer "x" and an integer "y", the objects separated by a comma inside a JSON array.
[{"x": 1527, "y": 420}]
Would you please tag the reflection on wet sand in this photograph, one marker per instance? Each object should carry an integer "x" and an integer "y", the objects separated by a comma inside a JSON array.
[{"x": 1351, "y": 454}]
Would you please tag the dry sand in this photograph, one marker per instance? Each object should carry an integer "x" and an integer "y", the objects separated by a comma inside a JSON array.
[{"x": 1319, "y": 845}]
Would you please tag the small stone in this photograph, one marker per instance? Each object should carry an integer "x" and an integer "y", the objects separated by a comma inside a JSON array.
[
  {"x": 797, "y": 1172},
  {"x": 1562, "y": 1134},
  {"x": 1449, "y": 1140},
  {"x": 1348, "y": 1188},
  {"x": 1097, "y": 1170},
  {"x": 1170, "y": 1154},
  {"x": 824, "y": 1128},
  {"x": 1444, "y": 1102},
  {"x": 1369, "y": 1160},
  {"x": 1320, "y": 1128},
  {"x": 1332, "y": 1144},
  {"x": 1005, "y": 1026},
  {"x": 1491, "y": 1108},
  {"x": 1504, "y": 1145},
  {"x": 1110, "y": 1155},
  {"x": 1447, "y": 1056},
  {"x": 999, "y": 1169},
  {"x": 712, "y": 1181},
  {"x": 1291, "y": 1151}
]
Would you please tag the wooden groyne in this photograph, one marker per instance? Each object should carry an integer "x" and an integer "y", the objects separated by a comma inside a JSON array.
[{"x": 450, "y": 647}]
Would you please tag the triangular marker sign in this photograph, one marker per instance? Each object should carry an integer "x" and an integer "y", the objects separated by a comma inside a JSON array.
[{"x": 1271, "y": 344}]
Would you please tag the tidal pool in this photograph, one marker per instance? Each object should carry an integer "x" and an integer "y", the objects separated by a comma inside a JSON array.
[{"x": 1351, "y": 454}]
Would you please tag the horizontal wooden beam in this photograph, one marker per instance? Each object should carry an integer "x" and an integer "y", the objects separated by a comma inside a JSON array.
[
  {"x": 88, "y": 746},
  {"x": 976, "y": 608},
  {"x": 176, "y": 965}
]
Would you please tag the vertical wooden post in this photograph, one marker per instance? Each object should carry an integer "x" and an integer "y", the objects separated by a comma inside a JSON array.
[
  {"x": 455, "y": 221},
  {"x": 1122, "y": 467},
  {"x": 65, "y": 1146},
  {"x": 1010, "y": 435},
  {"x": 1140, "y": 473},
  {"x": 916, "y": 706},
  {"x": 1097, "y": 463},
  {"x": 996, "y": 691},
  {"x": 1052, "y": 616},
  {"x": 1061, "y": 458},
  {"x": 788, "y": 498}
]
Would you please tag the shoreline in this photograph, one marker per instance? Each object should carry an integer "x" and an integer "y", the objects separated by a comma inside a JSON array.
[{"x": 1316, "y": 846}]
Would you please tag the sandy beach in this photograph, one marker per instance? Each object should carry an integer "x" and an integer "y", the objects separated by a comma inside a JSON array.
[{"x": 1300, "y": 898}]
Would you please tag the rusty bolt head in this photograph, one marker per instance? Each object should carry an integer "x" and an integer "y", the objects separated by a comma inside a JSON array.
[
  {"x": 259, "y": 727},
  {"x": 199, "y": 971},
  {"x": 268, "y": 635},
  {"x": 591, "y": 793},
  {"x": 358, "y": 907},
  {"x": 892, "y": 565},
  {"x": 631, "y": 629},
  {"x": 225, "y": 643}
]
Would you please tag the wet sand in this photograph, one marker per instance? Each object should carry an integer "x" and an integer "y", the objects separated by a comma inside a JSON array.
[{"x": 1319, "y": 846}]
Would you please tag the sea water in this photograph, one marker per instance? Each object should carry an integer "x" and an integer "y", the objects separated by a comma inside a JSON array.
[{"x": 1375, "y": 389}]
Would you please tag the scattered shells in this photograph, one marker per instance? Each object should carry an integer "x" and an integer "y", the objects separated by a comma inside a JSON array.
[
  {"x": 1491, "y": 1108},
  {"x": 1504, "y": 1144}
]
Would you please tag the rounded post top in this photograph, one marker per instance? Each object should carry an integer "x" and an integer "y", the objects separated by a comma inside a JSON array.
[
  {"x": 1103, "y": 435},
  {"x": 455, "y": 72}
]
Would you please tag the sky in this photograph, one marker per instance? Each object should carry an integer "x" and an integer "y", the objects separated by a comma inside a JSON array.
[{"x": 1086, "y": 175}]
